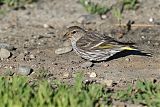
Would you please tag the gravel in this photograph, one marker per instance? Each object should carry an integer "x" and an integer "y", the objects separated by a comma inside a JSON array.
[
  {"x": 107, "y": 82},
  {"x": 63, "y": 50},
  {"x": 93, "y": 75},
  {"x": 86, "y": 64},
  {"x": 32, "y": 56},
  {"x": 87, "y": 18},
  {"x": 4, "y": 53},
  {"x": 66, "y": 75},
  {"x": 24, "y": 70},
  {"x": 6, "y": 46}
]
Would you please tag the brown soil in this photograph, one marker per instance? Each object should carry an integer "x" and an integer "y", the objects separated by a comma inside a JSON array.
[{"x": 24, "y": 29}]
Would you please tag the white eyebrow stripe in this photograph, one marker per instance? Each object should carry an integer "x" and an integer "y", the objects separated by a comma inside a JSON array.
[{"x": 97, "y": 45}]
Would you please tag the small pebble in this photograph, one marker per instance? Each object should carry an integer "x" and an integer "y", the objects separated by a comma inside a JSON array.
[
  {"x": 66, "y": 75},
  {"x": 32, "y": 56},
  {"x": 6, "y": 46},
  {"x": 81, "y": 19},
  {"x": 63, "y": 50},
  {"x": 26, "y": 52},
  {"x": 103, "y": 16},
  {"x": 106, "y": 65},
  {"x": 24, "y": 70},
  {"x": 93, "y": 75},
  {"x": 108, "y": 83},
  {"x": 89, "y": 81},
  {"x": 86, "y": 64},
  {"x": 86, "y": 2},
  {"x": 151, "y": 19},
  {"x": 128, "y": 59},
  {"x": 142, "y": 37},
  {"x": 156, "y": 43},
  {"x": 4, "y": 53},
  {"x": 85, "y": 81},
  {"x": 86, "y": 18},
  {"x": 46, "y": 26}
]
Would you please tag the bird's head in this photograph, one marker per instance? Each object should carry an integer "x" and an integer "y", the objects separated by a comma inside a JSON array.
[{"x": 74, "y": 33}]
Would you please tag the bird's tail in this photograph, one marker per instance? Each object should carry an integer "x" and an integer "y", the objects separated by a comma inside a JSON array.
[{"x": 132, "y": 48}]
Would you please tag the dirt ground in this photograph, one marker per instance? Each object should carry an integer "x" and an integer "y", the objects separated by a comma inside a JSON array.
[{"x": 35, "y": 43}]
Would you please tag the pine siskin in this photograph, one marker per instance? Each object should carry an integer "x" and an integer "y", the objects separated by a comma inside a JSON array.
[{"x": 94, "y": 46}]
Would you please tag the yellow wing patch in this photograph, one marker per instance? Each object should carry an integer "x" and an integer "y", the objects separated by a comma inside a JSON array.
[
  {"x": 106, "y": 46},
  {"x": 128, "y": 48},
  {"x": 111, "y": 46}
]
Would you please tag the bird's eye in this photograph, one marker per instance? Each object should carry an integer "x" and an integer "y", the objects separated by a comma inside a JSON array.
[{"x": 73, "y": 32}]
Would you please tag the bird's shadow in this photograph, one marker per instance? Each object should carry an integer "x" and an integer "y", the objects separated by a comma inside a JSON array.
[{"x": 126, "y": 53}]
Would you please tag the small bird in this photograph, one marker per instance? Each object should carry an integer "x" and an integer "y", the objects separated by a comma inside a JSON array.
[{"x": 94, "y": 46}]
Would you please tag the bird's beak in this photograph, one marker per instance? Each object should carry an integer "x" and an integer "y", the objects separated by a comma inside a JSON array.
[{"x": 66, "y": 36}]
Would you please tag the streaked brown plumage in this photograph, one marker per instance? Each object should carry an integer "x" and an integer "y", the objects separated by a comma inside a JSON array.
[{"x": 94, "y": 46}]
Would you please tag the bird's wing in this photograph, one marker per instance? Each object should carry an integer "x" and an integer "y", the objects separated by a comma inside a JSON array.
[
  {"x": 89, "y": 40},
  {"x": 96, "y": 41}
]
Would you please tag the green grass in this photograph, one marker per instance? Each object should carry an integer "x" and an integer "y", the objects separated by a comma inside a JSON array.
[
  {"x": 7, "y": 5},
  {"x": 94, "y": 8},
  {"x": 130, "y": 4},
  {"x": 16, "y": 3},
  {"x": 19, "y": 91},
  {"x": 145, "y": 93},
  {"x": 41, "y": 74},
  {"x": 117, "y": 14}
]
